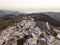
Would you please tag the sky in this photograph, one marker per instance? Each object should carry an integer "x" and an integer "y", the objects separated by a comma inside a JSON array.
[{"x": 30, "y": 5}]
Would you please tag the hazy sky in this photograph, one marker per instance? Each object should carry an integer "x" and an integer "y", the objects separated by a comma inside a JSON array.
[{"x": 31, "y": 5}]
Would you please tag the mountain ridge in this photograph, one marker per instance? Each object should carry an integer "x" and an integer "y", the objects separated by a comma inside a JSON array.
[{"x": 55, "y": 15}]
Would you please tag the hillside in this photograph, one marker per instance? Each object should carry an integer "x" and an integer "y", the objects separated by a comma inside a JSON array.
[
  {"x": 55, "y": 15},
  {"x": 43, "y": 17},
  {"x": 11, "y": 19}
]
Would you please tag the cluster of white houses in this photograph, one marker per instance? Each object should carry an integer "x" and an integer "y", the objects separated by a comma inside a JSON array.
[{"x": 27, "y": 27}]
